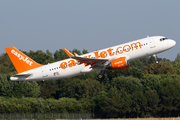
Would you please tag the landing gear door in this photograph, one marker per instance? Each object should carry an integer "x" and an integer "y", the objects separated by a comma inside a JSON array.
[
  {"x": 44, "y": 73},
  {"x": 151, "y": 42}
]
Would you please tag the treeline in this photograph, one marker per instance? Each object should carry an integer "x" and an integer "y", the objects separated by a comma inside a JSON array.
[{"x": 145, "y": 89}]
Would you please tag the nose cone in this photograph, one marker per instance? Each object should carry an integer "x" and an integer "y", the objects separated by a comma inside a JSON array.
[
  {"x": 173, "y": 42},
  {"x": 170, "y": 43}
]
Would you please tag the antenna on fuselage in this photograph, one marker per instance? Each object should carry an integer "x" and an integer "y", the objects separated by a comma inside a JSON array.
[{"x": 147, "y": 36}]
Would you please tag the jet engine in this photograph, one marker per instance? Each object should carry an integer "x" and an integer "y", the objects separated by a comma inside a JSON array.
[{"x": 119, "y": 64}]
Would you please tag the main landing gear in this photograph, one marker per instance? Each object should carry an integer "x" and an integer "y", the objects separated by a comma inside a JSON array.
[
  {"x": 155, "y": 57},
  {"x": 101, "y": 75}
]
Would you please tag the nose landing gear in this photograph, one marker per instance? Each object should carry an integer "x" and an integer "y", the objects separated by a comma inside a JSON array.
[{"x": 155, "y": 57}]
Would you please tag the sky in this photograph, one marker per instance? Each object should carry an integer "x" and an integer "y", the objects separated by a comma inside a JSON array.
[{"x": 86, "y": 24}]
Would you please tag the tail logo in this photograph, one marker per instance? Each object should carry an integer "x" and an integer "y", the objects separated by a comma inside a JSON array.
[{"x": 21, "y": 57}]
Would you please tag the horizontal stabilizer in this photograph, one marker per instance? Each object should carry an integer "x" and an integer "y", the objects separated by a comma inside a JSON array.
[
  {"x": 19, "y": 76},
  {"x": 22, "y": 75}
]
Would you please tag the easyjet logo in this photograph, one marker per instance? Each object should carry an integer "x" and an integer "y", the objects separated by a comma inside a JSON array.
[
  {"x": 104, "y": 54},
  {"x": 21, "y": 57},
  {"x": 118, "y": 62}
]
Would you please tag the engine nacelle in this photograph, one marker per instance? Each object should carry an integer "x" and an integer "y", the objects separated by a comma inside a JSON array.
[{"x": 119, "y": 64}]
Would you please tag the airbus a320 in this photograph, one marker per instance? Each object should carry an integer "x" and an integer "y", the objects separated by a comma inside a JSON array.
[{"x": 116, "y": 57}]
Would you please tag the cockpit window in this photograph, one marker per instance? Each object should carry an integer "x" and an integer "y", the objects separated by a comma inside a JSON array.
[{"x": 162, "y": 39}]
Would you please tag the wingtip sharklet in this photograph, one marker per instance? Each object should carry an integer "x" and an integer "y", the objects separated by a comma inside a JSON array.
[{"x": 68, "y": 53}]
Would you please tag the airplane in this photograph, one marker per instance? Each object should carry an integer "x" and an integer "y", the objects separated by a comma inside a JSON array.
[{"x": 116, "y": 57}]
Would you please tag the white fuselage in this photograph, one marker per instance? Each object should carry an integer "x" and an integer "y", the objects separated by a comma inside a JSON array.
[{"x": 70, "y": 67}]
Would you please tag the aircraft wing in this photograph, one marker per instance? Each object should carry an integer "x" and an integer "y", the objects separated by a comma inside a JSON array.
[
  {"x": 87, "y": 61},
  {"x": 90, "y": 61}
]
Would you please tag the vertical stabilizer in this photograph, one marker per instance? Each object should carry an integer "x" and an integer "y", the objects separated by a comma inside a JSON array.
[{"x": 21, "y": 61}]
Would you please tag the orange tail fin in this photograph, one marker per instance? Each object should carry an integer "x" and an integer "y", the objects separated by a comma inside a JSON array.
[{"x": 21, "y": 62}]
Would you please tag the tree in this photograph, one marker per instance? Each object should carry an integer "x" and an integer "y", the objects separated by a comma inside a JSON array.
[
  {"x": 177, "y": 59},
  {"x": 17, "y": 88},
  {"x": 81, "y": 89},
  {"x": 49, "y": 58},
  {"x": 151, "y": 82},
  {"x": 129, "y": 84},
  {"x": 60, "y": 55},
  {"x": 48, "y": 89},
  {"x": 39, "y": 56},
  {"x": 169, "y": 95},
  {"x": 134, "y": 94},
  {"x": 137, "y": 64},
  {"x": 84, "y": 51},
  {"x": 117, "y": 104},
  {"x": 100, "y": 102},
  {"x": 131, "y": 71},
  {"x": 152, "y": 102},
  {"x": 76, "y": 51},
  {"x": 6, "y": 65},
  {"x": 176, "y": 64},
  {"x": 161, "y": 68}
]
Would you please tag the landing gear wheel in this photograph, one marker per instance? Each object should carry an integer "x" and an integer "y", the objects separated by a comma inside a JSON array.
[
  {"x": 155, "y": 57},
  {"x": 100, "y": 76}
]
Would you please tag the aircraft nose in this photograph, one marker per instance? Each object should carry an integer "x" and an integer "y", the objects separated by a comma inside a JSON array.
[{"x": 172, "y": 43}]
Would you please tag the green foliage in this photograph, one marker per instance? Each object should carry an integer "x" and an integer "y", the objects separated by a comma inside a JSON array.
[
  {"x": 81, "y": 89},
  {"x": 132, "y": 71},
  {"x": 128, "y": 84},
  {"x": 152, "y": 101},
  {"x": 151, "y": 82},
  {"x": 17, "y": 89},
  {"x": 177, "y": 59},
  {"x": 60, "y": 55},
  {"x": 63, "y": 105},
  {"x": 176, "y": 66},
  {"x": 137, "y": 64},
  {"x": 38, "y": 105},
  {"x": 84, "y": 51},
  {"x": 161, "y": 68},
  {"x": 48, "y": 88},
  {"x": 6, "y": 65},
  {"x": 169, "y": 95},
  {"x": 76, "y": 51}
]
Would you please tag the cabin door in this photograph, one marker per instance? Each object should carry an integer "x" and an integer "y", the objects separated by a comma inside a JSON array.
[
  {"x": 44, "y": 73},
  {"x": 151, "y": 42}
]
